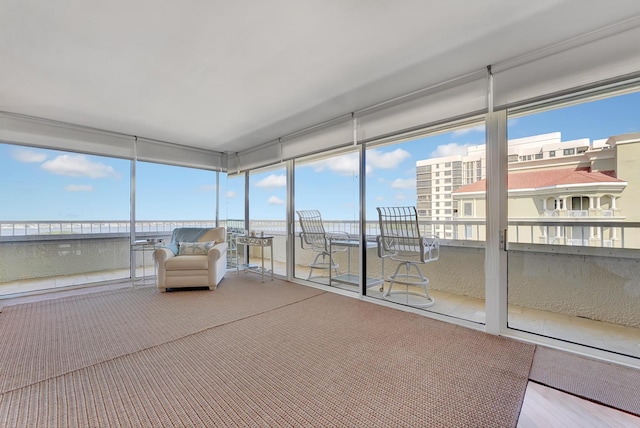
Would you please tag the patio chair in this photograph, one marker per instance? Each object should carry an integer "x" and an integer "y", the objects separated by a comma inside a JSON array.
[
  {"x": 400, "y": 240},
  {"x": 317, "y": 239},
  {"x": 232, "y": 250}
]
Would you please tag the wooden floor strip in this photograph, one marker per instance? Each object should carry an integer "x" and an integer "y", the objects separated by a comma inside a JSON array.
[{"x": 545, "y": 407}]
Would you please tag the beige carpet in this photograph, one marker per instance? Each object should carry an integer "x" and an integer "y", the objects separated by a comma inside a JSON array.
[
  {"x": 609, "y": 384},
  {"x": 315, "y": 359},
  {"x": 62, "y": 335}
]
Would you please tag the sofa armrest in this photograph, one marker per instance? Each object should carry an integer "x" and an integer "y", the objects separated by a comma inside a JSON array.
[
  {"x": 161, "y": 255},
  {"x": 217, "y": 251}
]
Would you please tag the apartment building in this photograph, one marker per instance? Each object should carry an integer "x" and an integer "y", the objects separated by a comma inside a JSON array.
[{"x": 549, "y": 179}]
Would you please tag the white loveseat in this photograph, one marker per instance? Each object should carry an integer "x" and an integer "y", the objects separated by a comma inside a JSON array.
[{"x": 195, "y": 257}]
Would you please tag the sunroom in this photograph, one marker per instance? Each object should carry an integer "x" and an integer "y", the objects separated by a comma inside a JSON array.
[{"x": 115, "y": 137}]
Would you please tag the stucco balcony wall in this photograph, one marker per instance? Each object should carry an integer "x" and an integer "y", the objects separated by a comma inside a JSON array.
[{"x": 603, "y": 285}]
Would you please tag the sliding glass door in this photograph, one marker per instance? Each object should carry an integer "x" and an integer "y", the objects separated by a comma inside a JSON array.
[
  {"x": 442, "y": 173},
  {"x": 167, "y": 197},
  {"x": 574, "y": 220},
  {"x": 327, "y": 209},
  {"x": 268, "y": 217},
  {"x": 64, "y": 220}
]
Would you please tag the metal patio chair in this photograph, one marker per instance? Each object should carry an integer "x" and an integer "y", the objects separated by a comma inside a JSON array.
[
  {"x": 315, "y": 237},
  {"x": 232, "y": 250},
  {"x": 400, "y": 240}
]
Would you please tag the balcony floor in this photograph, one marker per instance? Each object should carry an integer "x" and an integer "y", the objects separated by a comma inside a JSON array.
[{"x": 601, "y": 335}]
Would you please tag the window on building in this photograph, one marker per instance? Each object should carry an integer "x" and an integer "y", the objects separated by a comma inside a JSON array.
[
  {"x": 538, "y": 155},
  {"x": 552, "y": 153},
  {"x": 447, "y": 188},
  {"x": 447, "y": 164},
  {"x": 568, "y": 152},
  {"x": 579, "y": 203},
  {"x": 468, "y": 209},
  {"x": 468, "y": 231}
]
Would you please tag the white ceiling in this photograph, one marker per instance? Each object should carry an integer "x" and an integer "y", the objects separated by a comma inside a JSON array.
[{"x": 230, "y": 75}]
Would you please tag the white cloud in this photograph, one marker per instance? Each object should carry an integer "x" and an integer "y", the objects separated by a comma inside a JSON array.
[
  {"x": 274, "y": 200},
  {"x": 78, "y": 166},
  {"x": 343, "y": 165},
  {"x": 379, "y": 198},
  {"x": 207, "y": 188},
  {"x": 479, "y": 128},
  {"x": 28, "y": 156},
  {"x": 400, "y": 197},
  {"x": 386, "y": 160},
  {"x": 450, "y": 150},
  {"x": 79, "y": 188},
  {"x": 231, "y": 194},
  {"x": 348, "y": 164},
  {"x": 273, "y": 181},
  {"x": 406, "y": 183}
]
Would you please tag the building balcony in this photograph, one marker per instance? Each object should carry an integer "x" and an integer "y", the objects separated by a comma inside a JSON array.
[{"x": 596, "y": 212}]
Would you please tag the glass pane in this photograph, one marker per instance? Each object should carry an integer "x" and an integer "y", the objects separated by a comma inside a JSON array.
[
  {"x": 232, "y": 211},
  {"x": 167, "y": 197},
  {"x": 64, "y": 220},
  {"x": 268, "y": 217},
  {"x": 574, "y": 242},
  {"x": 327, "y": 209},
  {"x": 441, "y": 178}
]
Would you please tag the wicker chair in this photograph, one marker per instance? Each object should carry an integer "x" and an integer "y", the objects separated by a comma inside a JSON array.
[
  {"x": 400, "y": 240},
  {"x": 315, "y": 237}
]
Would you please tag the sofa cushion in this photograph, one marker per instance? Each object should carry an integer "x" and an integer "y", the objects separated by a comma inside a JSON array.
[
  {"x": 195, "y": 248},
  {"x": 187, "y": 262}
]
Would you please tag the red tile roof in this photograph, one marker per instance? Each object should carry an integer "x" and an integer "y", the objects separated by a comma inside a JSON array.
[{"x": 547, "y": 178}]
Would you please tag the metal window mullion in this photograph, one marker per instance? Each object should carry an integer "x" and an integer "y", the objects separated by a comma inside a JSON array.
[
  {"x": 496, "y": 217},
  {"x": 362, "y": 184},
  {"x": 132, "y": 211},
  {"x": 291, "y": 230}
]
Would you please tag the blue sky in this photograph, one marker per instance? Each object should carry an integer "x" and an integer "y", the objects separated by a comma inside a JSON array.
[{"x": 52, "y": 185}]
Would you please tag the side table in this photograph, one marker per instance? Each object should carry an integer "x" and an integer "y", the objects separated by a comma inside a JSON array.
[
  {"x": 255, "y": 241},
  {"x": 142, "y": 247}
]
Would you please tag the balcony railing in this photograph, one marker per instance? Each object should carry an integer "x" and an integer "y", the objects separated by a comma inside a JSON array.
[
  {"x": 13, "y": 229},
  {"x": 578, "y": 213},
  {"x": 598, "y": 233},
  {"x": 597, "y": 212}
]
